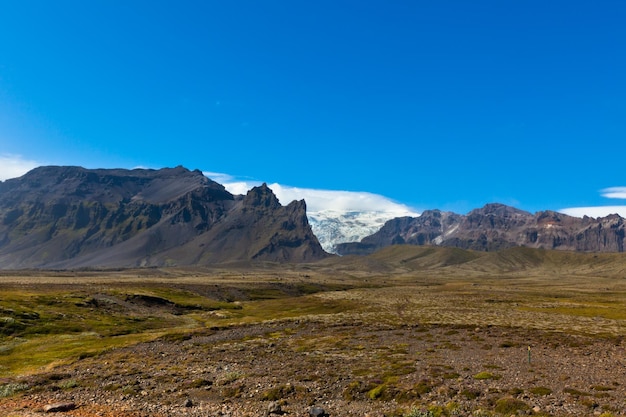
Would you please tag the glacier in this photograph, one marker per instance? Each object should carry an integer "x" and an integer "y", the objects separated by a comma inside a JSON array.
[
  {"x": 335, "y": 216},
  {"x": 332, "y": 227}
]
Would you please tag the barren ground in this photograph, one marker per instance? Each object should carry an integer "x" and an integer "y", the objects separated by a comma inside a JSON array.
[{"x": 410, "y": 345}]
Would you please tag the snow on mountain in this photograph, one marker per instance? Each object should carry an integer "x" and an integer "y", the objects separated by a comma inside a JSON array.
[
  {"x": 335, "y": 216},
  {"x": 332, "y": 227}
]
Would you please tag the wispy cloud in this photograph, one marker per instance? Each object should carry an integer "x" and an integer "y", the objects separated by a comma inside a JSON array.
[
  {"x": 319, "y": 200},
  {"x": 601, "y": 211},
  {"x": 232, "y": 184},
  {"x": 614, "y": 192},
  {"x": 13, "y": 166}
]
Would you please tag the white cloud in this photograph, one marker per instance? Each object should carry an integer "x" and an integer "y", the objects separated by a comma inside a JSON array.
[
  {"x": 597, "y": 211},
  {"x": 614, "y": 192},
  {"x": 319, "y": 200},
  {"x": 233, "y": 185},
  {"x": 600, "y": 211},
  {"x": 218, "y": 176},
  {"x": 344, "y": 201},
  {"x": 13, "y": 166}
]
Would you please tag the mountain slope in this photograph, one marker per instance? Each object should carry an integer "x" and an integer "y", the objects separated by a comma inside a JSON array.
[
  {"x": 448, "y": 261},
  {"x": 68, "y": 217},
  {"x": 495, "y": 227}
]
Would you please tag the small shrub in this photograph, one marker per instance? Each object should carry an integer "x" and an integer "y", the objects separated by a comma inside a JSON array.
[
  {"x": 130, "y": 390},
  {"x": 453, "y": 408},
  {"x": 69, "y": 384},
  {"x": 229, "y": 377},
  {"x": 541, "y": 391},
  {"x": 111, "y": 387},
  {"x": 423, "y": 387},
  {"x": 199, "y": 383},
  {"x": 385, "y": 392},
  {"x": 510, "y": 406},
  {"x": 418, "y": 412},
  {"x": 8, "y": 390},
  {"x": 277, "y": 393},
  {"x": 589, "y": 403},
  {"x": 485, "y": 375},
  {"x": 575, "y": 392},
  {"x": 470, "y": 394},
  {"x": 377, "y": 392},
  {"x": 233, "y": 391},
  {"x": 436, "y": 410},
  {"x": 356, "y": 389}
]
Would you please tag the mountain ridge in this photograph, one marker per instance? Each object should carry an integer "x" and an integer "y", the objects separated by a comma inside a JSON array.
[
  {"x": 72, "y": 217},
  {"x": 495, "y": 227}
]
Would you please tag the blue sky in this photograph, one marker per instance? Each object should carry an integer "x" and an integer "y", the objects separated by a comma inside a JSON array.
[{"x": 431, "y": 104}]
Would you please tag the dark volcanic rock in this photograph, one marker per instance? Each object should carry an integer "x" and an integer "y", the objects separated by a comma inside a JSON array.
[
  {"x": 273, "y": 232},
  {"x": 69, "y": 217},
  {"x": 494, "y": 227}
]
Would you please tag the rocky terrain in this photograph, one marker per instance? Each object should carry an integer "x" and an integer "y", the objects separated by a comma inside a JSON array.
[
  {"x": 71, "y": 217},
  {"x": 296, "y": 368},
  {"x": 409, "y": 331},
  {"x": 496, "y": 227}
]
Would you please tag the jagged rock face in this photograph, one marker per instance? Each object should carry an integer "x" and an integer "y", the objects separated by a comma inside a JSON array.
[
  {"x": 496, "y": 227},
  {"x": 67, "y": 217},
  {"x": 274, "y": 232}
]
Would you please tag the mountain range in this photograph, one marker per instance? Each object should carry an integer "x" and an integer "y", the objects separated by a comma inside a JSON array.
[
  {"x": 71, "y": 217},
  {"x": 496, "y": 227}
]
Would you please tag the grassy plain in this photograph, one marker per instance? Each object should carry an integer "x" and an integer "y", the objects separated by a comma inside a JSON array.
[{"x": 55, "y": 319}]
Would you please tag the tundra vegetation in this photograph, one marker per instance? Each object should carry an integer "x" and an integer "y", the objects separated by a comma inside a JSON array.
[{"x": 407, "y": 331}]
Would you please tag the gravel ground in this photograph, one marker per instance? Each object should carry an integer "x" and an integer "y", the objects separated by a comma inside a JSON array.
[{"x": 342, "y": 366}]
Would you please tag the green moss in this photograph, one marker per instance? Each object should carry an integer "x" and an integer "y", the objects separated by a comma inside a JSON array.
[
  {"x": 510, "y": 405},
  {"x": 377, "y": 392},
  {"x": 470, "y": 394},
  {"x": 423, "y": 387},
  {"x": 278, "y": 393},
  {"x": 575, "y": 392},
  {"x": 485, "y": 375},
  {"x": 541, "y": 391}
]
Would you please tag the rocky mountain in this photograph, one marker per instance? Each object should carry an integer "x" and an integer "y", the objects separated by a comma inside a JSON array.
[
  {"x": 494, "y": 227},
  {"x": 70, "y": 217}
]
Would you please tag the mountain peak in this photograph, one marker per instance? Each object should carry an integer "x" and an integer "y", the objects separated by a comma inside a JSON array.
[
  {"x": 261, "y": 196},
  {"x": 498, "y": 209}
]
